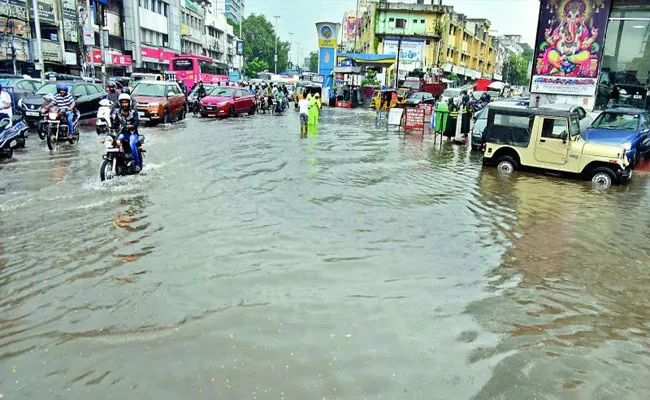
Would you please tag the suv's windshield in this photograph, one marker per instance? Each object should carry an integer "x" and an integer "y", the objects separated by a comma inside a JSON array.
[
  {"x": 148, "y": 89},
  {"x": 451, "y": 93},
  {"x": 617, "y": 121},
  {"x": 48, "y": 88}
]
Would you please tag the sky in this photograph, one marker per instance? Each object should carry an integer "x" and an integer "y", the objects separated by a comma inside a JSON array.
[{"x": 299, "y": 17}]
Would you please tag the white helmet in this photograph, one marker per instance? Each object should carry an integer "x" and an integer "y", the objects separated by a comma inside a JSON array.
[{"x": 123, "y": 97}]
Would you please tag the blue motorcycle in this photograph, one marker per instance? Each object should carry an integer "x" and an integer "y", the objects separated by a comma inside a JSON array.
[{"x": 12, "y": 137}]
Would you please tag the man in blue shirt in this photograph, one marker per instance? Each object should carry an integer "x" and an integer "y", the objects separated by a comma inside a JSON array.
[{"x": 63, "y": 99}]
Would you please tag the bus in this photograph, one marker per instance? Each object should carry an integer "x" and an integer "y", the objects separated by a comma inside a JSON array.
[{"x": 192, "y": 68}]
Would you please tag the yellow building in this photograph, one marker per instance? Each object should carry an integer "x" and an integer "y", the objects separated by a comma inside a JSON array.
[{"x": 432, "y": 38}]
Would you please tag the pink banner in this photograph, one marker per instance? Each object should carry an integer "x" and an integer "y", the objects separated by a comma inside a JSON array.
[
  {"x": 159, "y": 54},
  {"x": 97, "y": 56},
  {"x": 120, "y": 61}
]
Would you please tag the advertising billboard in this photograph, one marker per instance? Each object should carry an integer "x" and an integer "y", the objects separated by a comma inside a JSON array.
[
  {"x": 411, "y": 52},
  {"x": 569, "y": 46}
]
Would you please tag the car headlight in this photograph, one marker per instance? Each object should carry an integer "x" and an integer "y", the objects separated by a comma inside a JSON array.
[
  {"x": 223, "y": 104},
  {"x": 623, "y": 91},
  {"x": 154, "y": 105},
  {"x": 627, "y": 146}
]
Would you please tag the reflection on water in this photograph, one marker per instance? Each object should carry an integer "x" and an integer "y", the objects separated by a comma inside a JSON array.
[{"x": 246, "y": 262}]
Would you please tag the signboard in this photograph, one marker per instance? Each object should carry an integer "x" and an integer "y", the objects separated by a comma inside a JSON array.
[
  {"x": 569, "y": 46},
  {"x": 70, "y": 58},
  {"x": 45, "y": 12},
  {"x": 15, "y": 26},
  {"x": 89, "y": 36},
  {"x": 395, "y": 116},
  {"x": 563, "y": 85},
  {"x": 21, "y": 48},
  {"x": 156, "y": 55},
  {"x": 352, "y": 27},
  {"x": 317, "y": 78},
  {"x": 51, "y": 51},
  {"x": 428, "y": 109},
  {"x": 97, "y": 56},
  {"x": 414, "y": 119},
  {"x": 69, "y": 12},
  {"x": 192, "y": 6},
  {"x": 346, "y": 63},
  {"x": 120, "y": 60},
  {"x": 15, "y": 8},
  {"x": 327, "y": 40},
  {"x": 327, "y": 43},
  {"x": 411, "y": 52},
  {"x": 240, "y": 48},
  {"x": 234, "y": 76},
  {"x": 326, "y": 61}
]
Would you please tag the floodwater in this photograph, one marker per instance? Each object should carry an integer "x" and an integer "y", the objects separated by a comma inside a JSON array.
[{"x": 247, "y": 263}]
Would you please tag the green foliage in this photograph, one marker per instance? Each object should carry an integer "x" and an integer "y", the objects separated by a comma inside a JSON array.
[
  {"x": 255, "y": 66},
  {"x": 259, "y": 38},
  {"x": 313, "y": 61},
  {"x": 370, "y": 79},
  {"x": 517, "y": 69},
  {"x": 453, "y": 77}
]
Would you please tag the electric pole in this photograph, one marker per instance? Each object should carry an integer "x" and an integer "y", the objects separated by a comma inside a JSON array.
[
  {"x": 290, "y": 45},
  {"x": 275, "y": 57},
  {"x": 39, "y": 50}
]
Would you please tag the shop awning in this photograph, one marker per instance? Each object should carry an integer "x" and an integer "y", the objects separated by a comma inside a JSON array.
[{"x": 368, "y": 60}]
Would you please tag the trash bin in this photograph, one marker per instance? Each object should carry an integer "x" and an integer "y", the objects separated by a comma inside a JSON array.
[{"x": 442, "y": 113}]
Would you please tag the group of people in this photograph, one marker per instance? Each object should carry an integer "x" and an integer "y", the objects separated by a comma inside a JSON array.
[
  {"x": 309, "y": 108},
  {"x": 350, "y": 93}
]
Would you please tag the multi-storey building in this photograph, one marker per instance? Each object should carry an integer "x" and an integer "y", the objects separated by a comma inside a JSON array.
[
  {"x": 431, "y": 37},
  {"x": 136, "y": 35}
]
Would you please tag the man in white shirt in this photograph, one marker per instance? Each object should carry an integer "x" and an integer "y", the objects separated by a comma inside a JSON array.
[
  {"x": 6, "y": 109},
  {"x": 303, "y": 107}
]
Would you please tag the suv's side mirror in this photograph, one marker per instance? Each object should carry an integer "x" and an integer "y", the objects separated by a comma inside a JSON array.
[{"x": 564, "y": 136}]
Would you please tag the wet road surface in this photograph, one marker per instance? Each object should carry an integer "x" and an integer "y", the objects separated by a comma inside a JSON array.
[{"x": 245, "y": 262}]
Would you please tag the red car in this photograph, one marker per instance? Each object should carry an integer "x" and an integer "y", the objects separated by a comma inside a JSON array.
[{"x": 227, "y": 102}]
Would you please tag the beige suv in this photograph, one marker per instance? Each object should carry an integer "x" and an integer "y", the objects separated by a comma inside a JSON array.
[{"x": 549, "y": 139}]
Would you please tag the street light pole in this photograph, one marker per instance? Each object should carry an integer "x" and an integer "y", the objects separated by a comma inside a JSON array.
[
  {"x": 290, "y": 45},
  {"x": 39, "y": 49},
  {"x": 275, "y": 57}
]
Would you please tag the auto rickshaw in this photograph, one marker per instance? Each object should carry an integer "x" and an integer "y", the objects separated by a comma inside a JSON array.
[
  {"x": 386, "y": 98},
  {"x": 303, "y": 89},
  {"x": 402, "y": 94}
]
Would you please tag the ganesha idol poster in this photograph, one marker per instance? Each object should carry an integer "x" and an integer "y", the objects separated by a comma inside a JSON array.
[{"x": 570, "y": 42}]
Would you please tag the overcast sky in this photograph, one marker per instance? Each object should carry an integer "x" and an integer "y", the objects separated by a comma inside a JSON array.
[{"x": 299, "y": 17}]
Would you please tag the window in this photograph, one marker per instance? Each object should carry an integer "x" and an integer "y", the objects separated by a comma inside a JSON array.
[
  {"x": 422, "y": 21},
  {"x": 24, "y": 85},
  {"x": 92, "y": 89},
  {"x": 554, "y": 128},
  {"x": 575, "y": 127},
  {"x": 391, "y": 19},
  {"x": 400, "y": 23},
  {"x": 581, "y": 113},
  {"x": 415, "y": 21},
  {"x": 165, "y": 9},
  {"x": 79, "y": 90}
]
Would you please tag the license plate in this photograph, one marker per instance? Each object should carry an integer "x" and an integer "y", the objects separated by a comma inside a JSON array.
[
  {"x": 32, "y": 113},
  {"x": 209, "y": 108},
  {"x": 637, "y": 96},
  {"x": 140, "y": 114},
  {"x": 112, "y": 150}
]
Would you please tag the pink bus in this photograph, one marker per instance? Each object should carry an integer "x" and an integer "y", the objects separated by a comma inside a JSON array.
[{"x": 192, "y": 68}]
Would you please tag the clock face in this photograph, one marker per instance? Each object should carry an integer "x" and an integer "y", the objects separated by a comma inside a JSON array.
[{"x": 326, "y": 31}]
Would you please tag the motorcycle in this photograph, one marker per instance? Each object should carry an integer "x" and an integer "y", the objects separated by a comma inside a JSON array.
[
  {"x": 118, "y": 161},
  {"x": 277, "y": 107},
  {"x": 56, "y": 127},
  {"x": 12, "y": 137},
  {"x": 261, "y": 104},
  {"x": 103, "y": 121}
]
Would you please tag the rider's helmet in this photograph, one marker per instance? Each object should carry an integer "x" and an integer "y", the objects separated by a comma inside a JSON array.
[
  {"x": 62, "y": 87},
  {"x": 111, "y": 85},
  {"x": 124, "y": 98},
  {"x": 126, "y": 90}
]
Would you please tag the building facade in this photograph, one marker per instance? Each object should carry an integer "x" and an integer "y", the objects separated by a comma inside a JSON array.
[
  {"x": 140, "y": 35},
  {"x": 431, "y": 37},
  {"x": 612, "y": 65}
]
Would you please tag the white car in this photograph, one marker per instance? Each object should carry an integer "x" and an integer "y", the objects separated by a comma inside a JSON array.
[{"x": 585, "y": 119}]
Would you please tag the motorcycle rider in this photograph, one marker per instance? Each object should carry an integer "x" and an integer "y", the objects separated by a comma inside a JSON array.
[
  {"x": 111, "y": 94},
  {"x": 6, "y": 109},
  {"x": 63, "y": 99},
  {"x": 128, "y": 120}
]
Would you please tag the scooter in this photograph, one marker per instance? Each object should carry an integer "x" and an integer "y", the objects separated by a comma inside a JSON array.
[
  {"x": 103, "y": 122},
  {"x": 11, "y": 138}
]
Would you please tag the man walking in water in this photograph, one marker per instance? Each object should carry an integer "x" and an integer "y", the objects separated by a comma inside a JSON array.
[{"x": 303, "y": 107}]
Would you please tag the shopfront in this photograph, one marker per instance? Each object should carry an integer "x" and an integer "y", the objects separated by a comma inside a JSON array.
[{"x": 604, "y": 60}]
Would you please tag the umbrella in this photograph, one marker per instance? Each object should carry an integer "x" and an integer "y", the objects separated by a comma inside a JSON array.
[{"x": 496, "y": 85}]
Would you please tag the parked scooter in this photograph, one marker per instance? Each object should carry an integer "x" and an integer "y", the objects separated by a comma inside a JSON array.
[
  {"x": 103, "y": 121},
  {"x": 12, "y": 138}
]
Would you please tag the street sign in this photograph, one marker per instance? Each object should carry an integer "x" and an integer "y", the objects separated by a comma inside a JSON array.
[
  {"x": 89, "y": 36},
  {"x": 395, "y": 116},
  {"x": 414, "y": 120}
]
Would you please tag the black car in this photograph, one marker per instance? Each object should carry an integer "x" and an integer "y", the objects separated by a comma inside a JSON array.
[
  {"x": 418, "y": 98},
  {"x": 631, "y": 92},
  {"x": 19, "y": 87},
  {"x": 87, "y": 96}
]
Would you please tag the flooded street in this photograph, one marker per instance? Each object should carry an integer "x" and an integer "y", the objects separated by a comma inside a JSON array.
[{"x": 246, "y": 263}]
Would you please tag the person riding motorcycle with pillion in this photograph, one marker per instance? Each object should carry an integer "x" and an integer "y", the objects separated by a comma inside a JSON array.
[{"x": 127, "y": 120}]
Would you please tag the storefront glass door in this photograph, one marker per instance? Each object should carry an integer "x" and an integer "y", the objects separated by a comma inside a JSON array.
[{"x": 625, "y": 69}]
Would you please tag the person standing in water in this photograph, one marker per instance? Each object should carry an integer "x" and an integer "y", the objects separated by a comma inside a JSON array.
[{"x": 303, "y": 108}]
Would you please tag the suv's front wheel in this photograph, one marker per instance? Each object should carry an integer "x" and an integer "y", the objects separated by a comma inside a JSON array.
[{"x": 602, "y": 177}]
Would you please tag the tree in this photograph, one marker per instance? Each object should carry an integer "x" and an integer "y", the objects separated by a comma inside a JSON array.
[
  {"x": 516, "y": 68},
  {"x": 255, "y": 66},
  {"x": 313, "y": 61},
  {"x": 259, "y": 39},
  {"x": 370, "y": 79}
]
